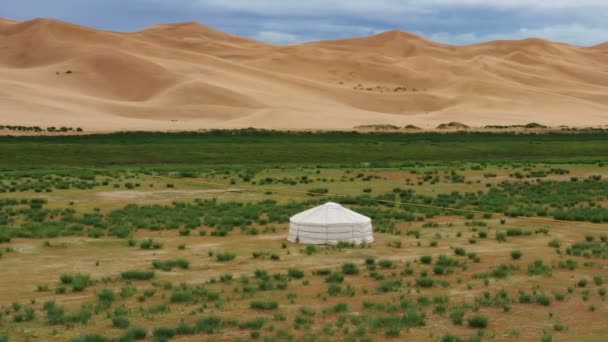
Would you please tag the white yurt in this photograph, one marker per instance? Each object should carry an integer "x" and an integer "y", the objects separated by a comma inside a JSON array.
[{"x": 329, "y": 224}]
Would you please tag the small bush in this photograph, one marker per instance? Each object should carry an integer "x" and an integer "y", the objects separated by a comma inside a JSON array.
[
  {"x": 543, "y": 300},
  {"x": 150, "y": 244},
  {"x": 106, "y": 295},
  {"x": 478, "y": 321},
  {"x": 516, "y": 255},
  {"x": 310, "y": 249},
  {"x": 181, "y": 296},
  {"x": 295, "y": 273},
  {"x": 389, "y": 286},
  {"x": 209, "y": 325},
  {"x": 135, "y": 334},
  {"x": 80, "y": 282},
  {"x": 163, "y": 333},
  {"x": 264, "y": 305},
  {"x": 224, "y": 257},
  {"x": 334, "y": 278},
  {"x": 121, "y": 322},
  {"x": 254, "y": 324},
  {"x": 457, "y": 315},
  {"x": 386, "y": 263},
  {"x": 539, "y": 268},
  {"x": 425, "y": 282},
  {"x": 598, "y": 280},
  {"x": 426, "y": 259},
  {"x": 568, "y": 264},
  {"x": 350, "y": 269},
  {"x": 501, "y": 237},
  {"x": 169, "y": 265},
  {"x": 137, "y": 275}
]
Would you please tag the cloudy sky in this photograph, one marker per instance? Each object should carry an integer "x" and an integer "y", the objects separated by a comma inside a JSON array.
[{"x": 582, "y": 22}]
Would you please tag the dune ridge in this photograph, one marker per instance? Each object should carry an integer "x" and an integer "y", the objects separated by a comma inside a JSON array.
[{"x": 188, "y": 76}]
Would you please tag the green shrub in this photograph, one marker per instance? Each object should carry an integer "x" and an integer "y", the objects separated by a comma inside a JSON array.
[
  {"x": 389, "y": 286},
  {"x": 345, "y": 244},
  {"x": 181, "y": 296},
  {"x": 209, "y": 325},
  {"x": 264, "y": 305},
  {"x": 501, "y": 237},
  {"x": 137, "y": 275},
  {"x": 478, "y": 321},
  {"x": 543, "y": 300},
  {"x": 525, "y": 298},
  {"x": 224, "y": 257},
  {"x": 169, "y": 265},
  {"x": 559, "y": 326},
  {"x": 163, "y": 333},
  {"x": 568, "y": 264},
  {"x": 334, "y": 289},
  {"x": 310, "y": 249},
  {"x": 254, "y": 324},
  {"x": 598, "y": 280},
  {"x": 502, "y": 271},
  {"x": 460, "y": 251},
  {"x": 121, "y": 322},
  {"x": 350, "y": 269},
  {"x": 516, "y": 255},
  {"x": 318, "y": 191},
  {"x": 295, "y": 273},
  {"x": 425, "y": 282},
  {"x": 386, "y": 263},
  {"x": 89, "y": 338},
  {"x": 135, "y": 333},
  {"x": 80, "y": 282},
  {"x": 457, "y": 315},
  {"x": 185, "y": 329},
  {"x": 539, "y": 268},
  {"x": 150, "y": 244},
  {"x": 106, "y": 295},
  {"x": 452, "y": 338},
  {"x": 334, "y": 277},
  {"x": 516, "y": 232},
  {"x": 426, "y": 259},
  {"x": 66, "y": 278},
  {"x": 226, "y": 277},
  {"x": 340, "y": 307}
]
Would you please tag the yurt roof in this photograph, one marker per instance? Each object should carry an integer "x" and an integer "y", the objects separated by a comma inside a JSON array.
[{"x": 329, "y": 214}]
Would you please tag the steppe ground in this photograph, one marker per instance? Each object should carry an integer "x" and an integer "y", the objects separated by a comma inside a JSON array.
[{"x": 188, "y": 251}]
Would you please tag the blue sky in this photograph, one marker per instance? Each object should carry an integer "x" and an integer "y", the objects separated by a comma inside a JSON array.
[{"x": 582, "y": 22}]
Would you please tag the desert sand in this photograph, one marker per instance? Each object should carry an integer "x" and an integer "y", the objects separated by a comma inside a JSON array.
[{"x": 187, "y": 76}]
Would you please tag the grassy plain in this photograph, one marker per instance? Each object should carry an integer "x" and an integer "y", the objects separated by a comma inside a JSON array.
[{"x": 182, "y": 237}]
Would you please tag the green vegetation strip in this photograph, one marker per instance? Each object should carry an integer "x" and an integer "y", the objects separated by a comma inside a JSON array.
[{"x": 263, "y": 147}]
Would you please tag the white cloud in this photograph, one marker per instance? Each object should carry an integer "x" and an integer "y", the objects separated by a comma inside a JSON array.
[
  {"x": 275, "y": 37},
  {"x": 582, "y": 22},
  {"x": 576, "y": 33},
  {"x": 373, "y": 7}
]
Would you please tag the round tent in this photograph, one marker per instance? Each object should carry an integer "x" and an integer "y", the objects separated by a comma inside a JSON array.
[{"x": 329, "y": 224}]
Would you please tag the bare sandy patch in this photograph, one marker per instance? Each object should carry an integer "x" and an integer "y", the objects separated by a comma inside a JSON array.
[{"x": 161, "y": 194}]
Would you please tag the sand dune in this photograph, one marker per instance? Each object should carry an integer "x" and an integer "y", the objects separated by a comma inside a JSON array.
[{"x": 188, "y": 76}]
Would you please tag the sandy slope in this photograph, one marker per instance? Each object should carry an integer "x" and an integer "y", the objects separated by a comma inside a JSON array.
[{"x": 188, "y": 76}]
